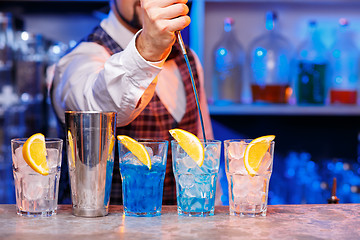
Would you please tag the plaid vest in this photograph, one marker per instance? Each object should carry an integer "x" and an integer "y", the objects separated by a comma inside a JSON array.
[{"x": 154, "y": 122}]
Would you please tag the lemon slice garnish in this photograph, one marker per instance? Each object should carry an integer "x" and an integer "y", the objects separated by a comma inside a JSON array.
[
  {"x": 254, "y": 153},
  {"x": 190, "y": 143},
  {"x": 34, "y": 153},
  {"x": 137, "y": 149}
]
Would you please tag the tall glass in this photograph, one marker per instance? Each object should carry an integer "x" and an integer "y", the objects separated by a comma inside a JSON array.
[
  {"x": 36, "y": 194},
  {"x": 196, "y": 186},
  {"x": 248, "y": 195},
  {"x": 142, "y": 188}
]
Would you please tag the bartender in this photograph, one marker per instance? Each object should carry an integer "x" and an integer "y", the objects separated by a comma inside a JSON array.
[{"x": 131, "y": 64}]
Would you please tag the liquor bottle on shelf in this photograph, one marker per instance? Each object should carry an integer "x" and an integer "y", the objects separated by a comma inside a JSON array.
[
  {"x": 312, "y": 64},
  {"x": 270, "y": 58},
  {"x": 344, "y": 63},
  {"x": 30, "y": 58},
  {"x": 6, "y": 49},
  {"x": 228, "y": 62}
]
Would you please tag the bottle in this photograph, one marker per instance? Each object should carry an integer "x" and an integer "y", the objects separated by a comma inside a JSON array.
[
  {"x": 30, "y": 64},
  {"x": 344, "y": 62},
  {"x": 270, "y": 57},
  {"x": 6, "y": 49},
  {"x": 30, "y": 57},
  {"x": 228, "y": 60},
  {"x": 312, "y": 65}
]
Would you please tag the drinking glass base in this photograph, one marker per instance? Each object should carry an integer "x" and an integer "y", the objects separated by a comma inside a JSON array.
[
  {"x": 142, "y": 214},
  {"x": 248, "y": 213},
  {"x": 195, "y": 214},
  {"x": 84, "y": 212},
  {"x": 36, "y": 214}
]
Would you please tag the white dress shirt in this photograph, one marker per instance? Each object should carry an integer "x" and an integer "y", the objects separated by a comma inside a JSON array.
[{"x": 89, "y": 78}]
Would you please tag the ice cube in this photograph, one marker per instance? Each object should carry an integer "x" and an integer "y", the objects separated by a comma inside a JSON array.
[
  {"x": 256, "y": 183},
  {"x": 203, "y": 185},
  {"x": 239, "y": 185},
  {"x": 254, "y": 198},
  {"x": 52, "y": 158},
  {"x": 212, "y": 150},
  {"x": 150, "y": 151},
  {"x": 265, "y": 164},
  {"x": 203, "y": 178},
  {"x": 19, "y": 163},
  {"x": 211, "y": 162},
  {"x": 192, "y": 192},
  {"x": 156, "y": 160},
  {"x": 237, "y": 166},
  {"x": 186, "y": 180},
  {"x": 236, "y": 191},
  {"x": 129, "y": 158},
  {"x": 188, "y": 162},
  {"x": 18, "y": 159},
  {"x": 33, "y": 186},
  {"x": 236, "y": 149},
  {"x": 196, "y": 205},
  {"x": 180, "y": 153},
  {"x": 180, "y": 167},
  {"x": 196, "y": 170}
]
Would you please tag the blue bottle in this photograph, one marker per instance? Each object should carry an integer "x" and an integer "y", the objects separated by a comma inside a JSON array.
[
  {"x": 228, "y": 62},
  {"x": 312, "y": 65}
]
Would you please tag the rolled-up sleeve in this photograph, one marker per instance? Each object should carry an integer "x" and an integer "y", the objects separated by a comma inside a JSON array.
[{"x": 88, "y": 78}]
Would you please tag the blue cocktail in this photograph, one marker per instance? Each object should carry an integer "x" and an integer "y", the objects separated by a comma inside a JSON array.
[
  {"x": 143, "y": 186},
  {"x": 196, "y": 186}
]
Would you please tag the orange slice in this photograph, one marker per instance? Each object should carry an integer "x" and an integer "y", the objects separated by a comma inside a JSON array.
[
  {"x": 254, "y": 153},
  {"x": 190, "y": 143},
  {"x": 137, "y": 149},
  {"x": 34, "y": 153}
]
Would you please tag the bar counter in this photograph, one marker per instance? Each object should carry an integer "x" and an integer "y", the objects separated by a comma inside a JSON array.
[{"x": 333, "y": 221}]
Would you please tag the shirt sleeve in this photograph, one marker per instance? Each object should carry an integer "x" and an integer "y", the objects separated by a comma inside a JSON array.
[
  {"x": 203, "y": 103},
  {"x": 89, "y": 79}
]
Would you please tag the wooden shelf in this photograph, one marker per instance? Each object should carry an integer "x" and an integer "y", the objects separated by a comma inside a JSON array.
[{"x": 285, "y": 110}]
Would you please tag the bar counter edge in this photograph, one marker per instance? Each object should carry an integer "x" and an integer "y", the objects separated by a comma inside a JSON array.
[{"x": 308, "y": 221}]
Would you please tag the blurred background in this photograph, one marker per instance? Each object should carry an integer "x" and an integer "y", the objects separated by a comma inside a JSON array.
[{"x": 285, "y": 67}]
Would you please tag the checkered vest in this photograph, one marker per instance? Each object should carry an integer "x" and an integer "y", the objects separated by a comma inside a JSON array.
[{"x": 155, "y": 121}]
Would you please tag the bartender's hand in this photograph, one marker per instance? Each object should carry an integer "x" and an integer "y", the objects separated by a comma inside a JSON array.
[{"x": 161, "y": 18}]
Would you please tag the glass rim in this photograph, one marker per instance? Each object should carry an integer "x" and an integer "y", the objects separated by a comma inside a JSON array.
[
  {"x": 202, "y": 141},
  {"x": 146, "y": 140},
  {"x": 74, "y": 112},
  {"x": 47, "y": 140},
  {"x": 246, "y": 140}
]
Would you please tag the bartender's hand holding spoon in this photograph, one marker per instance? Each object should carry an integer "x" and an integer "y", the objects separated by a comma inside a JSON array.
[{"x": 161, "y": 18}]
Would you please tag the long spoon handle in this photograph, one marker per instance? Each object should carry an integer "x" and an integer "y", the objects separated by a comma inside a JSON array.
[{"x": 182, "y": 45}]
